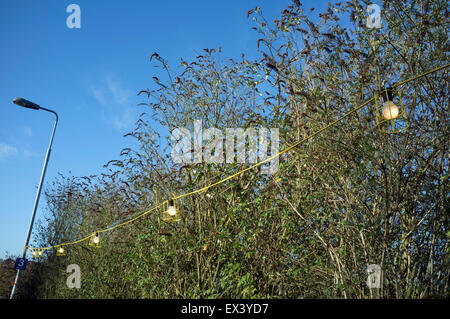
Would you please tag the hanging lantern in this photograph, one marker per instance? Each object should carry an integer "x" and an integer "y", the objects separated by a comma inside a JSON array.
[
  {"x": 37, "y": 253},
  {"x": 170, "y": 211},
  {"x": 94, "y": 241},
  {"x": 391, "y": 118},
  {"x": 60, "y": 251}
]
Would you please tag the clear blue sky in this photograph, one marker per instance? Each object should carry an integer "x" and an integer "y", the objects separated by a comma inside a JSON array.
[{"x": 91, "y": 76}]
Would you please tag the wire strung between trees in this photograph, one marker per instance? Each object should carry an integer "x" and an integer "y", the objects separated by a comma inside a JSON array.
[{"x": 244, "y": 170}]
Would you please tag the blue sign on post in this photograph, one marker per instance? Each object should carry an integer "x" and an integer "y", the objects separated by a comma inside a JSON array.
[{"x": 21, "y": 263}]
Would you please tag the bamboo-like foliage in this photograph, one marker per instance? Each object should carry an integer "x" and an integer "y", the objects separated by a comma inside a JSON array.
[{"x": 350, "y": 197}]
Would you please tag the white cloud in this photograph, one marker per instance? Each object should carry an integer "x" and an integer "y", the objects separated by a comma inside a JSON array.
[
  {"x": 99, "y": 95},
  {"x": 29, "y": 153},
  {"x": 7, "y": 151},
  {"x": 115, "y": 99},
  {"x": 27, "y": 131}
]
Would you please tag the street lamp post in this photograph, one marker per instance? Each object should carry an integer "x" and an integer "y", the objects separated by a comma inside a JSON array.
[{"x": 31, "y": 105}]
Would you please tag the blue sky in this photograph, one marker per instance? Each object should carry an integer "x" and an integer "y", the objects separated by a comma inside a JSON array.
[{"x": 91, "y": 77}]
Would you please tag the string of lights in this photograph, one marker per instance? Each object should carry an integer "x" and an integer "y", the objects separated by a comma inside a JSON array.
[{"x": 387, "y": 115}]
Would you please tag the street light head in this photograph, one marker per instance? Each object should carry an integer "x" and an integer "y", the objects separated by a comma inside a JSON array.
[{"x": 25, "y": 103}]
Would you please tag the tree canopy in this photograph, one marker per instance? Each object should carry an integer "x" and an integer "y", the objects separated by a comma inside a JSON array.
[{"x": 345, "y": 199}]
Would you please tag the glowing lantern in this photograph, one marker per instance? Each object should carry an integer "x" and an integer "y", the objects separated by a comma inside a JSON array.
[
  {"x": 390, "y": 111},
  {"x": 37, "y": 253},
  {"x": 392, "y": 117},
  {"x": 60, "y": 251},
  {"x": 170, "y": 211},
  {"x": 95, "y": 240}
]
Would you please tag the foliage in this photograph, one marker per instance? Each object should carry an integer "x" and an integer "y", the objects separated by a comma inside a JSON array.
[{"x": 345, "y": 199}]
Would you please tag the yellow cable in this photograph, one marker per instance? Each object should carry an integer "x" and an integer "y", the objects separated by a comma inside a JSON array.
[
  {"x": 251, "y": 167},
  {"x": 276, "y": 155},
  {"x": 421, "y": 75},
  {"x": 104, "y": 230}
]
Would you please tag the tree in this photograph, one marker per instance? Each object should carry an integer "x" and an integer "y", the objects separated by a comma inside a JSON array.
[{"x": 346, "y": 198}]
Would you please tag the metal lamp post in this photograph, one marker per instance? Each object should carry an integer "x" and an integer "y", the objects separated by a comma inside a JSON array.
[{"x": 31, "y": 105}]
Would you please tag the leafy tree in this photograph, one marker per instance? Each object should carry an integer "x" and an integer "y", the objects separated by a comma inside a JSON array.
[{"x": 349, "y": 197}]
